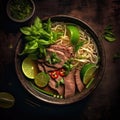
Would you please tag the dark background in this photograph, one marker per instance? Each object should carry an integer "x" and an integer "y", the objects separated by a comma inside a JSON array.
[{"x": 103, "y": 103}]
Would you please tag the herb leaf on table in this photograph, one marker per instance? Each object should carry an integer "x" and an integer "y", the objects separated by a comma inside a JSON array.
[{"x": 109, "y": 34}]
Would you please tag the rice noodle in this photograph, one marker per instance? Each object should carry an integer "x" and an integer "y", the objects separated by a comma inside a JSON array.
[{"x": 87, "y": 53}]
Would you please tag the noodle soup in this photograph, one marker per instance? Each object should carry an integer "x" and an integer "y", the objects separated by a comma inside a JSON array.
[{"x": 66, "y": 56}]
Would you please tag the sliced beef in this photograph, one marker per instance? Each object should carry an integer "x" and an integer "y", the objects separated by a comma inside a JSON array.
[
  {"x": 50, "y": 65},
  {"x": 60, "y": 55},
  {"x": 63, "y": 53},
  {"x": 59, "y": 89},
  {"x": 69, "y": 82},
  {"x": 72, "y": 81},
  {"x": 45, "y": 67},
  {"x": 78, "y": 81},
  {"x": 40, "y": 67},
  {"x": 48, "y": 68},
  {"x": 68, "y": 51},
  {"x": 40, "y": 60}
]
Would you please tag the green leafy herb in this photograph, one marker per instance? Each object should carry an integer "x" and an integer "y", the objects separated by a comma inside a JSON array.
[
  {"x": 53, "y": 59},
  {"x": 68, "y": 66},
  {"x": 60, "y": 82},
  {"x": 20, "y": 9},
  {"x": 37, "y": 37},
  {"x": 108, "y": 34},
  {"x": 30, "y": 48}
]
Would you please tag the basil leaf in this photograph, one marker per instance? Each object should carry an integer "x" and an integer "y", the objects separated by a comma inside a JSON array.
[
  {"x": 47, "y": 26},
  {"x": 38, "y": 36},
  {"x": 31, "y": 38},
  {"x": 37, "y": 23},
  {"x": 43, "y": 42},
  {"x": 42, "y": 52},
  {"x": 30, "y": 47},
  {"x": 109, "y": 34},
  {"x": 110, "y": 37},
  {"x": 26, "y": 30}
]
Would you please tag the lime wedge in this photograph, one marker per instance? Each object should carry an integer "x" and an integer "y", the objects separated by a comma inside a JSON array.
[
  {"x": 87, "y": 72},
  {"x": 41, "y": 79},
  {"x": 74, "y": 34},
  {"x": 6, "y": 100},
  {"x": 29, "y": 68}
]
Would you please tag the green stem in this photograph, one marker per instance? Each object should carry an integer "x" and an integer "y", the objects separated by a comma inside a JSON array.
[
  {"x": 41, "y": 90},
  {"x": 88, "y": 85}
]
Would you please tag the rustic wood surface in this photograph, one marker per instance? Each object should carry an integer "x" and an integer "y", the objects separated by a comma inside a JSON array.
[{"x": 104, "y": 102}]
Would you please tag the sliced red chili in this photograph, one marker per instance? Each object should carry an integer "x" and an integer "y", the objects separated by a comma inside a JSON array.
[
  {"x": 54, "y": 74},
  {"x": 62, "y": 72}
]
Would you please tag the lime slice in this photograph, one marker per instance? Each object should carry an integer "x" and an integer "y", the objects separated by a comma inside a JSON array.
[
  {"x": 6, "y": 100},
  {"x": 74, "y": 34},
  {"x": 29, "y": 68},
  {"x": 87, "y": 72},
  {"x": 41, "y": 79}
]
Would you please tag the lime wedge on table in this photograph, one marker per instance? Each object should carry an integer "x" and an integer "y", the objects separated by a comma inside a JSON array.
[
  {"x": 41, "y": 79},
  {"x": 87, "y": 72},
  {"x": 29, "y": 68},
  {"x": 74, "y": 34},
  {"x": 7, "y": 100}
]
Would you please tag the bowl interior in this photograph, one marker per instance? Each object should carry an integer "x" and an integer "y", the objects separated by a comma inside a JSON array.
[
  {"x": 79, "y": 96},
  {"x": 21, "y": 14}
]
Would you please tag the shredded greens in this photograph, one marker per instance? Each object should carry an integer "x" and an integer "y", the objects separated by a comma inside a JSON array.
[{"x": 20, "y": 9}]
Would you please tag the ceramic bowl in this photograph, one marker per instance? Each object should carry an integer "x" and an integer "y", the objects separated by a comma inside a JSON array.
[
  {"x": 20, "y": 11},
  {"x": 78, "y": 96}
]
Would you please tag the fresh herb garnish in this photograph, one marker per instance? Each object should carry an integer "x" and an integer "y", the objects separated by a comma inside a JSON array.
[
  {"x": 53, "y": 59},
  {"x": 60, "y": 82},
  {"x": 37, "y": 37},
  {"x": 109, "y": 34},
  {"x": 20, "y": 9},
  {"x": 68, "y": 66}
]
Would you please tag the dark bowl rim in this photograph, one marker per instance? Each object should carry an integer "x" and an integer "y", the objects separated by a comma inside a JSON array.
[
  {"x": 74, "y": 99},
  {"x": 24, "y": 20}
]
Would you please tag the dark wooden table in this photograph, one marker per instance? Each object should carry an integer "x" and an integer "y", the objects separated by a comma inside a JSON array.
[{"x": 104, "y": 102}]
